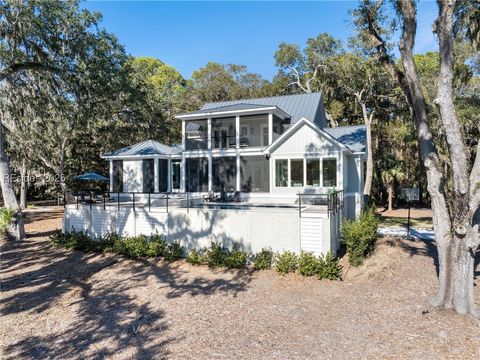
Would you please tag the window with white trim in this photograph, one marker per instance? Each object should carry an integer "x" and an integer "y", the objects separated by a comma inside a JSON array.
[{"x": 329, "y": 172}]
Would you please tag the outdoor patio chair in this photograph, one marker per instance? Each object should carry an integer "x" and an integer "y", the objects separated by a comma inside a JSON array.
[
  {"x": 210, "y": 197},
  {"x": 237, "y": 196},
  {"x": 224, "y": 196}
]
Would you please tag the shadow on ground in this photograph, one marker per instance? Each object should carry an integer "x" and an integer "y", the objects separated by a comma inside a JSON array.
[
  {"x": 429, "y": 249},
  {"x": 97, "y": 316}
]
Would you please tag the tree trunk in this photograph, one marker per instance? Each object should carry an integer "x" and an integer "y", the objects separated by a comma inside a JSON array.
[
  {"x": 456, "y": 263},
  {"x": 390, "y": 196},
  {"x": 456, "y": 238},
  {"x": 17, "y": 229},
  {"x": 369, "y": 169},
  {"x": 23, "y": 185}
]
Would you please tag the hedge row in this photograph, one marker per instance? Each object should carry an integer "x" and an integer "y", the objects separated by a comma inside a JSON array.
[
  {"x": 132, "y": 246},
  {"x": 306, "y": 264}
]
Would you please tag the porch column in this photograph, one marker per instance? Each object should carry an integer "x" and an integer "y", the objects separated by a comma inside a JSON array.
[
  {"x": 270, "y": 128},
  {"x": 156, "y": 175},
  {"x": 183, "y": 188},
  {"x": 210, "y": 170},
  {"x": 238, "y": 172},
  {"x": 305, "y": 172},
  {"x": 340, "y": 171},
  {"x": 237, "y": 132},
  {"x": 183, "y": 134},
  {"x": 111, "y": 176},
  {"x": 288, "y": 173},
  {"x": 209, "y": 133},
  {"x": 169, "y": 178}
]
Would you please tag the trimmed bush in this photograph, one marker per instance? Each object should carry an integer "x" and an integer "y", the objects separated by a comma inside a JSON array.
[
  {"x": 215, "y": 256},
  {"x": 360, "y": 236},
  {"x": 235, "y": 258},
  {"x": 75, "y": 240},
  {"x": 329, "y": 267},
  {"x": 286, "y": 262},
  {"x": 263, "y": 260},
  {"x": 135, "y": 246},
  {"x": 174, "y": 251},
  {"x": 308, "y": 264},
  {"x": 195, "y": 257}
]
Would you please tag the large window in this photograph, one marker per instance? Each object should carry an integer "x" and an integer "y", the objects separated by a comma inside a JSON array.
[
  {"x": 176, "y": 166},
  {"x": 148, "y": 175},
  {"x": 281, "y": 173},
  {"x": 117, "y": 175},
  {"x": 313, "y": 172},
  {"x": 296, "y": 172},
  {"x": 224, "y": 174},
  {"x": 254, "y": 172},
  {"x": 196, "y": 134},
  {"x": 329, "y": 172},
  {"x": 197, "y": 175},
  {"x": 162, "y": 175}
]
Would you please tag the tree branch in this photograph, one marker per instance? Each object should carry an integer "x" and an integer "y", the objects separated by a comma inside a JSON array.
[
  {"x": 14, "y": 68},
  {"x": 298, "y": 82}
]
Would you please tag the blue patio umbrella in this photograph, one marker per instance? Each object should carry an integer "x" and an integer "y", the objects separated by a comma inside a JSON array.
[{"x": 92, "y": 176}]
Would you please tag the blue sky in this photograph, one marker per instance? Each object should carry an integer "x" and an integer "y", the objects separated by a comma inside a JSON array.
[{"x": 187, "y": 35}]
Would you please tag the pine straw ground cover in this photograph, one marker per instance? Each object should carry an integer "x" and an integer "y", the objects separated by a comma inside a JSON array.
[{"x": 62, "y": 304}]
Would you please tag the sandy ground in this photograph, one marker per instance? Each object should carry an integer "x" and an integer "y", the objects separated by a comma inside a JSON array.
[
  {"x": 403, "y": 213},
  {"x": 70, "y": 305}
]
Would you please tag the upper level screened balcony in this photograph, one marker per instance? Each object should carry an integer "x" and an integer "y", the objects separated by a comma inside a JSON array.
[{"x": 242, "y": 128}]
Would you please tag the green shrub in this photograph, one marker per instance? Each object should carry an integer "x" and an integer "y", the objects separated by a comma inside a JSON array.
[
  {"x": 308, "y": 264},
  {"x": 108, "y": 241},
  {"x": 134, "y": 246},
  {"x": 74, "y": 240},
  {"x": 359, "y": 236},
  {"x": 263, "y": 260},
  {"x": 174, "y": 251},
  {"x": 195, "y": 257},
  {"x": 286, "y": 262},
  {"x": 215, "y": 256},
  {"x": 329, "y": 267},
  {"x": 157, "y": 246},
  {"x": 235, "y": 258},
  {"x": 6, "y": 218}
]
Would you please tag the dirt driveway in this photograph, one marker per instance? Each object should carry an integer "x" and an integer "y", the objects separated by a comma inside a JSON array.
[{"x": 70, "y": 305}]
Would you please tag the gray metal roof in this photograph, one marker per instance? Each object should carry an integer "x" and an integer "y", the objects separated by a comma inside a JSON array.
[
  {"x": 145, "y": 148},
  {"x": 233, "y": 107},
  {"x": 353, "y": 137},
  {"x": 297, "y": 106}
]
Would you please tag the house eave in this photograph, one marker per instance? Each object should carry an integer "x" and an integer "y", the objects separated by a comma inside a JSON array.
[
  {"x": 275, "y": 110},
  {"x": 295, "y": 127}
]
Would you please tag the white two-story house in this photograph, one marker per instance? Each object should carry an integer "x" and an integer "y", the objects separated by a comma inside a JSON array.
[{"x": 269, "y": 149}]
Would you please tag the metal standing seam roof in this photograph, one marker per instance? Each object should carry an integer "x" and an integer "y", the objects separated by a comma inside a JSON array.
[
  {"x": 149, "y": 147},
  {"x": 309, "y": 106},
  {"x": 353, "y": 137}
]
